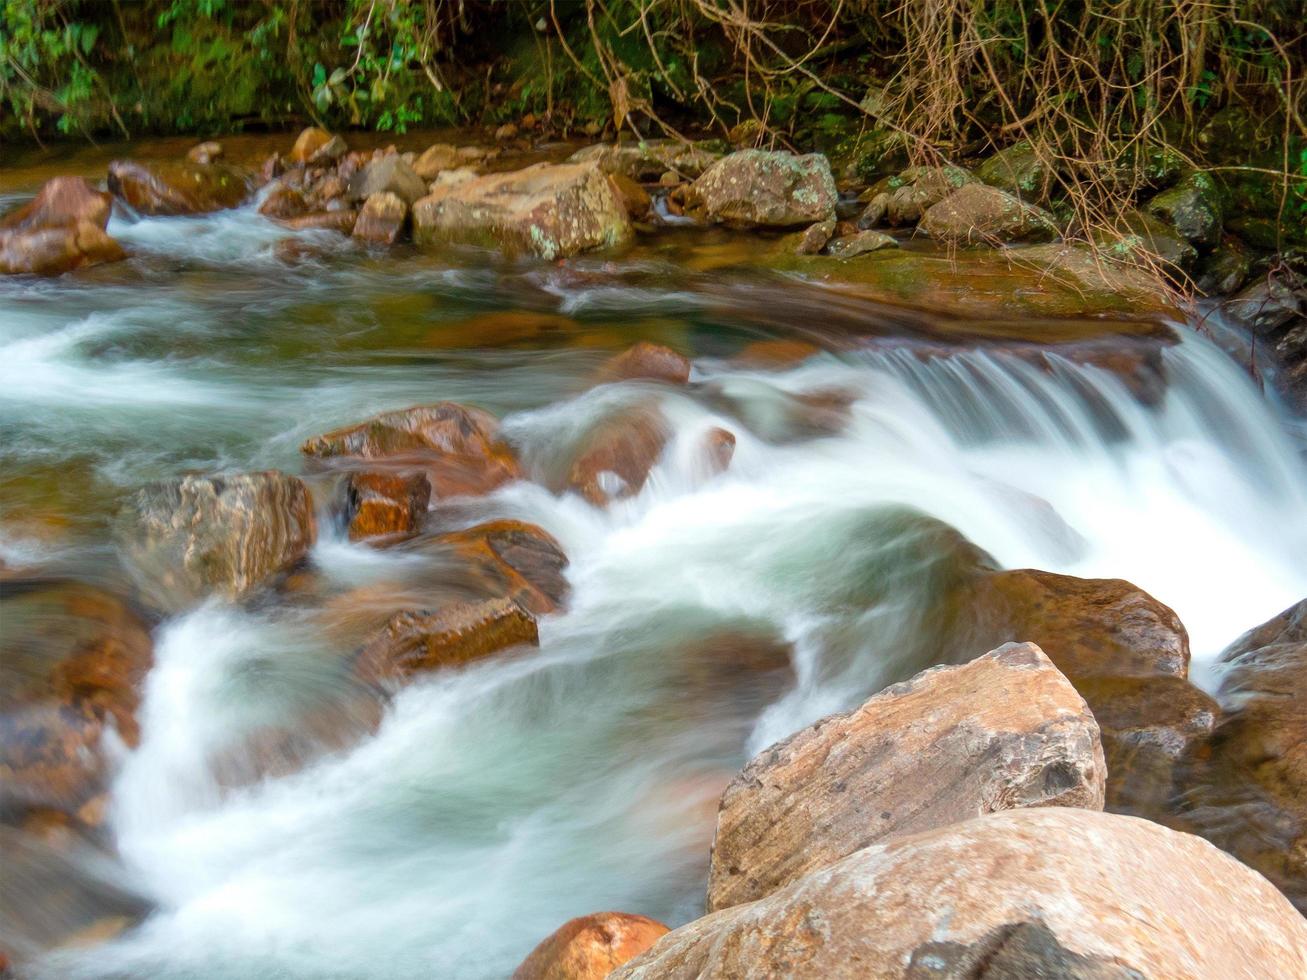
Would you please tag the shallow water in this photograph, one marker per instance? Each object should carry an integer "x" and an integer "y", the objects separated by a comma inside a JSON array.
[{"x": 498, "y": 801}]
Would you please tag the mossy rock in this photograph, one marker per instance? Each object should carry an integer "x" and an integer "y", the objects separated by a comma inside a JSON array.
[
  {"x": 1020, "y": 170},
  {"x": 1194, "y": 208}
]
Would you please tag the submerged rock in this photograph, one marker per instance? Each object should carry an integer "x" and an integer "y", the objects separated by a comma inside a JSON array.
[
  {"x": 767, "y": 188},
  {"x": 1053, "y": 892},
  {"x": 977, "y": 213},
  {"x": 590, "y": 947},
  {"x": 450, "y": 636},
  {"x": 1005, "y": 730},
  {"x": 386, "y": 505},
  {"x": 61, "y": 229},
  {"x": 458, "y": 447},
  {"x": 548, "y": 210},
  {"x": 186, "y": 539},
  {"x": 173, "y": 188}
]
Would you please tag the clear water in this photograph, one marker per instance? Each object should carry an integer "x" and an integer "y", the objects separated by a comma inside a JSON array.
[{"x": 498, "y": 801}]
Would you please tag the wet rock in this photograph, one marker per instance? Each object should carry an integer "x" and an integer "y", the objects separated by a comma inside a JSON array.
[
  {"x": 1270, "y": 303},
  {"x": 342, "y": 221},
  {"x": 648, "y": 160},
  {"x": 718, "y": 450},
  {"x": 813, "y": 239},
  {"x": 381, "y": 220},
  {"x": 1192, "y": 207},
  {"x": 1142, "y": 239},
  {"x": 315, "y": 145},
  {"x": 634, "y": 198},
  {"x": 74, "y": 660},
  {"x": 1246, "y": 788},
  {"x": 590, "y": 947},
  {"x": 199, "y": 535},
  {"x": 648, "y": 362},
  {"x": 390, "y": 175},
  {"x": 1021, "y": 171},
  {"x": 457, "y": 447},
  {"x": 205, "y": 152},
  {"x": 1022, "y": 893},
  {"x": 283, "y": 201},
  {"x": 860, "y": 243},
  {"x": 767, "y": 188},
  {"x": 1223, "y": 270},
  {"x": 511, "y": 558},
  {"x": 903, "y": 199},
  {"x": 436, "y": 158},
  {"x": 977, "y": 213},
  {"x": 616, "y": 455},
  {"x": 386, "y": 505},
  {"x": 177, "y": 188},
  {"x": 777, "y": 352},
  {"x": 549, "y": 210},
  {"x": 450, "y": 636},
  {"x": 61, "y": 229},
  {"x": 1005, "y": 730}
]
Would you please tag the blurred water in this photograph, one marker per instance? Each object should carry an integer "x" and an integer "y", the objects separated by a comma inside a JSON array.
[{"x": 498, "y": 801}]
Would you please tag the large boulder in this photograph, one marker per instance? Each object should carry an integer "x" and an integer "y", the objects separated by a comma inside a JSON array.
[
  {"x": 767, "y": 188},
  {"x": 180, "y": 187},
  {"x": 61, "y": 229},
  {"x": 1046, "y": 892},
  {"x": 979, "y": 214},
  {"x": 186, "y": 539},
  {"x": 548, "y": 210},
  {"x": 590, "y": 947},
  {"x": 508, "y": 558},
  {"x": 1005, "y": 730},
  {"x": 458, "y": 447},
  {"x": 388, "y": 175},
  {"x": 1021, "y": 170},
  {"x": 1245, "y": 789},
  {"x": 1140, "y": 238}
]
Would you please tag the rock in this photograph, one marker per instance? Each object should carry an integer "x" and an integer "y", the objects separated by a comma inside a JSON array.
[
  {"x": 314, "y": 145},
  {"x": 1142, "y": 239},
  {"x": 860, "y": 243},
  {"x": 617, "y": 455},
  {"x": 273, "y": 166},
  {"x": 386, "y": 505},
  {"x": 511, "y": 559},
  {"x": 381, "y": 220},
  {"x": 1270, "y": 303},
  {"x": 457, "y": 447},
  {"x": 648, "y": 160},
  {"x": 1192, "y": 207},
  {"x": 718, "y": 450},
  {"x": 450, "y": 178},
  {"x": 283, "y": 201},
  {"x": 1005, "y": 730},
  {"x": 1021, "y": 171},
  {"x": 453, "y": 635},
  {"x": 177, "y": 188},
  {"x": 184, "y": 539},
  {"x": 434, "y": 159},
  {"x": 391, "y": 175},
  {"x": 777, "y": 352},
  {"x": 342, "y": 221},
  {"x": 590, "y": 947},
  {"x": 1223, "y": 270},
  {"x": 59, "y": 230},
  {"x": 506, "y": 132},
  {"x": 1246, "y": 788},
  {"x": 977, "y": 213},
  {"x": 902, "y": 200},
  {"x": 1045, "y": 892},
  {"x": 549, "y": 210},
  {"x": 75, "y": 658},
  {"x": 205, "y": 152},
  {"x": 767, "y": 188},
  {"x": 814, "y": 238},
  {"x": 634, "y": 198},
  {"x": 648, "y": 362}
]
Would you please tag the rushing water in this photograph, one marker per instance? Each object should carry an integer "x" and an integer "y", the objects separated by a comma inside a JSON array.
[{"x": 497, "y": 801}]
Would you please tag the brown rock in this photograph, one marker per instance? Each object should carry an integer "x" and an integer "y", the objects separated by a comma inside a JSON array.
[
  {"x": 283, "y": 201},
  {"x": 634, "y": 198},
  {"x": 450, "y": 636},
  {"x": 342, "y": 221},
  {"x": 62, "y": 201},
  {"x": 859, "y": 243},
  {"x": 506, "y": 132},
  {"x": 648, "y": 160},
  {"x": 903, "y": 199},
  {"x": 548, "y": 210},
  {"x": 813, "y": 239},
  {"x": 649, "y": 362},
  {"x": 777, "y": 352},
  {"x": 61, "y": 229},
  {"x": 590, "y": 947},
  {"x": 386, "y": 505},
  {"x": 273, "y": 166},
  {"x": 617, "y": 455},
  {"x": 315, "y": 144},
  {"x": 184, "y": 539},
  {"x": 1045, "y": 892},
  {"x": 718, "y": 450},
  {"x": 513, "y": 559},
  {"x": 381, "y": 220},
  {"x": 435, "y": 158},
  {"x": 458, "y": 447},
  {"x": 765, "y": 187},
  {"x": 1006, "y": 730},
  {"x": 177, "y": 188},
  {"x": 389, "y": 175},
  {"x": 205, "y": 152},
  {"x": 978, "y": 213}
]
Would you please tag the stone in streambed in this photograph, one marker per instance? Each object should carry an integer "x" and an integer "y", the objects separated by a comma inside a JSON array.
[
  {"x": 381, "y": 220},
  {"x": 1020, "y": 170},
  {"x": 386, "y": 505},
  {"x": 315, "y": 145},
  {"x": 904, "y": 198},
  {"x": 765, "y": 188},
  {"x": 342, "y": 221},
  {"x": 206, "y": 152},
  {"x": 1005, "y": 730},
  {"x": 648, "y": 160},
  {"x": 389, "y": 175},
  {"x": 617, "y": 454},
  {"x": 1142, "y": 239},
  {"x": 1193, "y": 207},
  {"x": 283, "y": 201},
  {"x": 61, "y": 229},
  {"x": 509, "y": 558},
  {"x": 186, "y": 539},
  {"x": 812, "y": 239},
  {"x": 860, "y": 243},
  {"x": 1043, "y": 892},
  {"x": 979, "y": 214},
  {"x": 548, "y": 210},
  {"x": 590, "y": 947},
  {"x": 647, "y": 361},
  {"x": 458, "y": 447},
  {"x": 177, "y": 188}
]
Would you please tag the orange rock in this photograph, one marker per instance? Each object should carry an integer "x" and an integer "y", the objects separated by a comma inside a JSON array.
[
  {"x": 618, "y": 454},
  {"x": 381, "y": 220},
  {"x": 458, "y": 447},
  {"x": 514, "y": 559},
  {"x": 283, "y": 201},
  {"x": 718, "y": 450},
  {"x": 61, "y": 229},
  {"x": 590, "y": 947},
  {"x": 651, "y": 362},
  {"x": 449, "y": 636},
  {"x": 314, "y": 144},
  {"x": 502, "y": 328},
  {"x": 634, "y": 198},
  {"x": 383, "y": 504},
  {"x": 62, "y": 201}
]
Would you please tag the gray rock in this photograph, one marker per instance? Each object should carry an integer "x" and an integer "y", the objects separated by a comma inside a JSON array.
[{"x": 765, "y": 188}]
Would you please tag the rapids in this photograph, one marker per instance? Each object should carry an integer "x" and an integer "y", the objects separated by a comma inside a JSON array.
[{"x": 497, "y": 801}]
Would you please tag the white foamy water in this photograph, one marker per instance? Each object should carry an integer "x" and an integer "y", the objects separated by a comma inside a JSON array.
[{"x": 495, "y": 802}]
